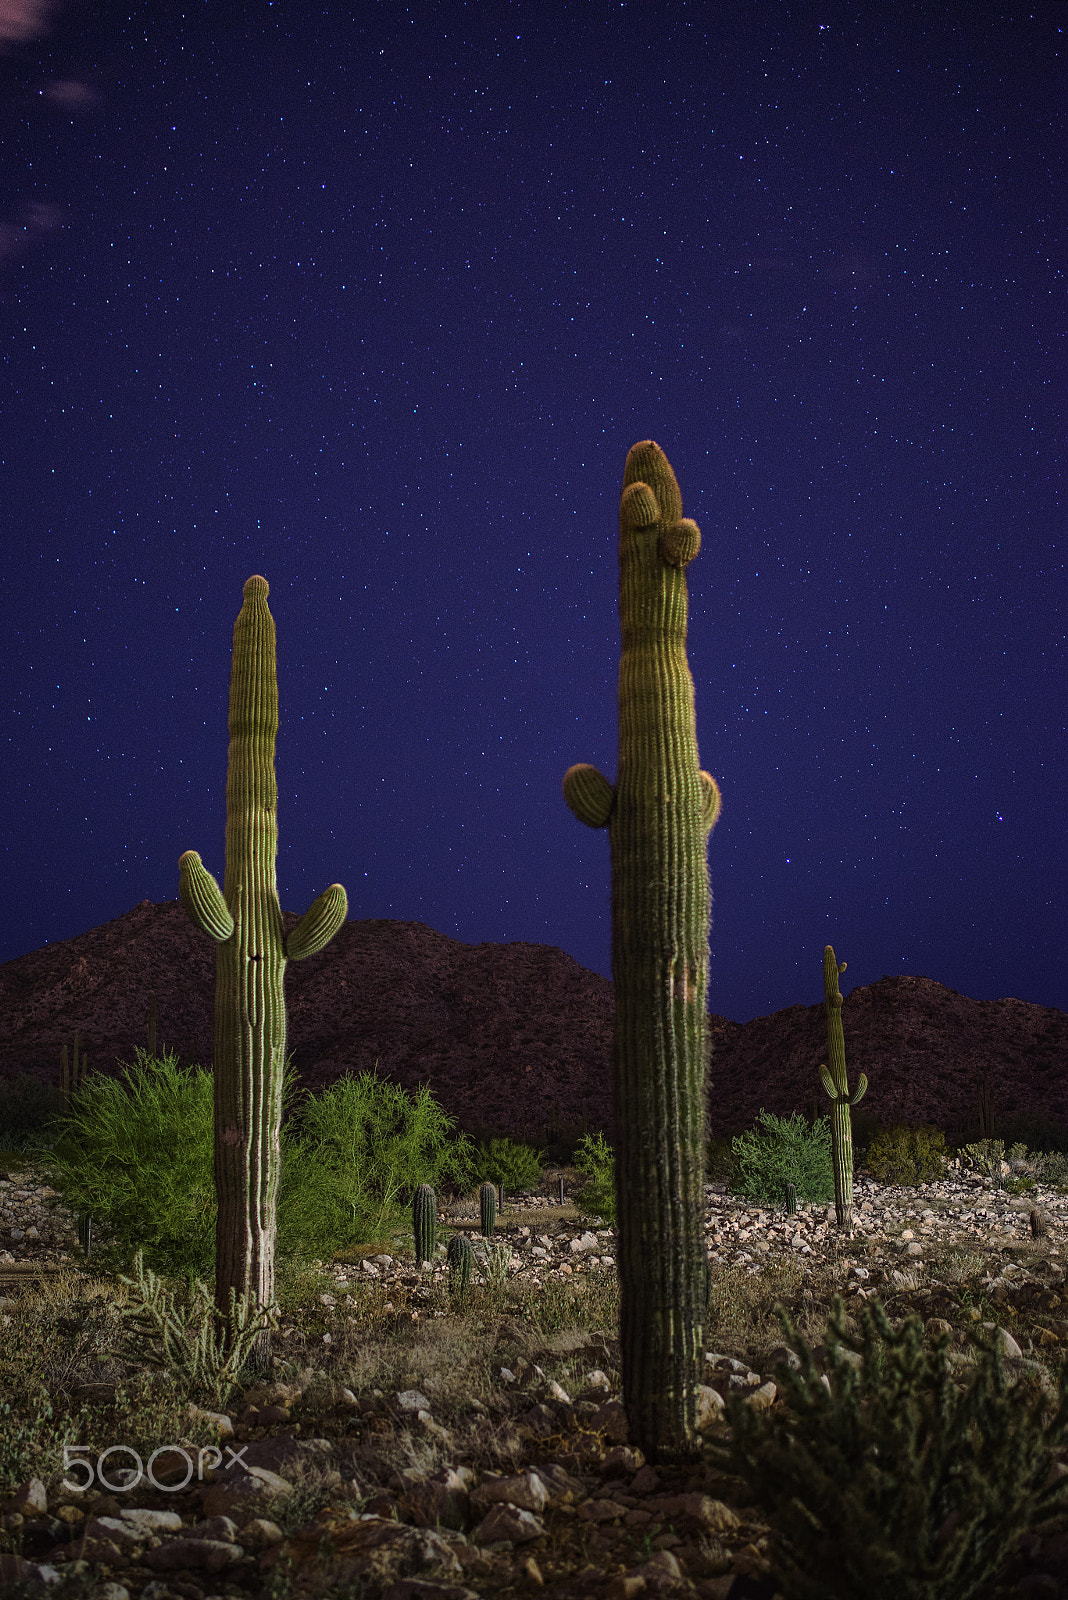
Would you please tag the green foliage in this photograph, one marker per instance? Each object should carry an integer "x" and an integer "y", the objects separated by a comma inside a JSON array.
[
  {"x": 28, "y": 1112},
  {"x": 595, "y": 1158},
  {"x": 351, "y": 1160},
  {"x": 907, "y": 1156},
  {"x": 984, "y": 1157},
  {"x": 1051, "y": 1167},
  {"x": 203, "y": 1351},
  {"x": 508, "y": 1164},
  {"x": 902, "y": 1481},
  {"x": 136, "y": 1153},
  {"x": 782, "y": 1150}
]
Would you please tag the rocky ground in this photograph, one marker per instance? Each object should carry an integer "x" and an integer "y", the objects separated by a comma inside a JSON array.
[{"x": 322, "y": 1484}]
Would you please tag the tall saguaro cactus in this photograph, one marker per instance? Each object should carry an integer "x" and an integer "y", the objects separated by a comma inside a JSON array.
[
  {"x": 245, "y": 920},
  {"x": 658, "y": 813},
  {"x": 836, "y": 1086}
]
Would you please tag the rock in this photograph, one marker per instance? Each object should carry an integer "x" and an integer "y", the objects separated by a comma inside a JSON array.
[
  {"x": 147, "y": 1523},
  {"x": 218, "y": 1420},
  {"x": 508, "y": 1524},
  {"x": 30, "y": 1498},
  {"x": 712, "y": 1516},
  {"x": 35, "y": 1578},
  {"x": 213, "y": 1555},
  {"x": 441, "y": 1498},
  {"x": 526, "y": 1490},
  {"x": 259, "y": 1534},
  {"x": 709, "y": 1406},
  {"x": 363, "y": 1552}
]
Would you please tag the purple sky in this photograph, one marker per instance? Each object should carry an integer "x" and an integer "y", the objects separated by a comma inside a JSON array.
[{"x": 374, "y": 300}]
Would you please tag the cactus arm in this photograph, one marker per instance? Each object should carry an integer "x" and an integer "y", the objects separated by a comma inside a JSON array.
[
  {"x": 589, "y": 795},
  {"x": 202, "y": 898},
  {"x": 658, "y": 813},
  {"x": 711, "y": 801},
  {"x": 319, "y": 924}
]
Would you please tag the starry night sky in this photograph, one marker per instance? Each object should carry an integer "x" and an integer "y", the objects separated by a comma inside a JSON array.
[{"x": 373, "y": 300}]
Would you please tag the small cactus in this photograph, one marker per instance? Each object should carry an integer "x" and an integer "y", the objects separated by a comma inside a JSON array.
[
  {"x": 71, "y": 1075},
  {"x": 459, "y": 1257},
  {"x": 424, "y": 1223},
  {"x": 85, "y": 1232},
  {"x": 487, "y": 1204},
  {"x": 791, "y": 1200}
]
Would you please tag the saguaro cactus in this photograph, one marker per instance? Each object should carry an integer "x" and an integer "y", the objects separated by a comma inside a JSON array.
[
  {"x": 487, "y": 1207},
  {"x": 836, "y": 1086},
  {"x": 658, "y": 813},
  {"x": 245, "y": 920},
  {"x": 424, "y": 1223}
]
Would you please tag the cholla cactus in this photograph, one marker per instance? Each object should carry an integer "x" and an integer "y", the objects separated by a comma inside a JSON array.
[
  {"x": 658, "y": 814},
  {"x": 837, "y": 1087},
  {"x": 245, "y": 920}
]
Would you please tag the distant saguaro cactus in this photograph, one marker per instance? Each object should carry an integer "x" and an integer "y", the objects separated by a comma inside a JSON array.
[
  {"x": 837, "y": 1087},
  {"x": 71, "y": 1072},
  {"x": 487, "y": 1206},
  {"x": 658, "y": 813},
  {"x": 245, "y": 920}
]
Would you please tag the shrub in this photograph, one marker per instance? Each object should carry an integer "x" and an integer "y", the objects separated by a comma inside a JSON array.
[
  {"x": 137, "y": 1154},
  {"x": 594, "y": 1157},
  {"x": 352, "y": 1159},
  {"x": 508, "y": 1164},
  {"x": 900, "y": 1481},
  {"x": 778, "y": 1151},
  {"x": 28, "y": 1112},
  {"x": 907, "y": 1156}
]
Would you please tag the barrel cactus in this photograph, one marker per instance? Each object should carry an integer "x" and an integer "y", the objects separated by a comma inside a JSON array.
[
  {"x": 487, "y": 1205},
  {"x": 658, "y": 814},
  {"x": 834, "y": 1081},
  {"x": 424, "y": 1223},
  {"x": 245, "y": 920}
]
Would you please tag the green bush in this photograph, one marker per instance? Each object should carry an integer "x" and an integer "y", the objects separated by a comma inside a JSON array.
[
  {"x": 352, "y": 1159},
  {"x": 778, "y": 1151},
  {"x": 508, "y": 1164},
  {"x": 907, "y": 1156},
  {"x": 28, "y": 1111},
  {"x": 136, "y": 1153},
  {"x": 594, "y": 1157},
  {"x": 902, "y": 1480}
]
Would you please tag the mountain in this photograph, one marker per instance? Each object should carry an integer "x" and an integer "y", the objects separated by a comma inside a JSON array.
[{"x": 516, "y": 1038}]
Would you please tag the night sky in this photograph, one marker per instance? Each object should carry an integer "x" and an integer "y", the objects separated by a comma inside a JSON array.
[{"x": 373, "y": 300}]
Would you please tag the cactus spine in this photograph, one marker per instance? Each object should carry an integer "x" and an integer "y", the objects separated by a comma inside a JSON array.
[
  {"x": 245, "y": 920},
  {"x": 487, "y": 1205},
  {"x": 836, "y": 1086},
  {"x": 658, "y": 813},
  {"x": 424, "y": 1223},
  {"x": 459, "y": 1257}
]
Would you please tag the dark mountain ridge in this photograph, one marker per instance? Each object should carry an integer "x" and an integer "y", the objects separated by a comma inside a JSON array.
[{"x": 516, "y": 1038}]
